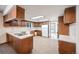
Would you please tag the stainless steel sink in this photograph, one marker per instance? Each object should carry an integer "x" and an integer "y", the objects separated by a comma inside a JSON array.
[{"x": 21, "y": 34}]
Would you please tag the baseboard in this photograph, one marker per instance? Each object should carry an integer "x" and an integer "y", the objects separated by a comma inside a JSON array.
[{"x": 3, "y": 43}]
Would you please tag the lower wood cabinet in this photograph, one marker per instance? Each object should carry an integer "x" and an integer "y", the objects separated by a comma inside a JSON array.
[
  {"x": 39, "y": 32},
  {"x": 66, "y": 47},
  {"x": 20, "y": 45}
]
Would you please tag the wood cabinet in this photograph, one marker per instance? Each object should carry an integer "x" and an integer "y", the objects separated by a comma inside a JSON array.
[
  {"x": 39, "y": 24},
  {"x": 20, "y": 13},
  {"x": 32, "y": 32},
  {"x": 15, "y": 17},
  {"x": 63, "y": 29},
  {"x": 20, "y": 45},
  {"x": 11, "y": 14},
  {"x": 39, "y": 33},
  {"x": 16, "y": 12},
  {"x": 23, "y": 23},
  {"x": 36, "y": 24},
  {"x": 66, "y": 47},
  {"x": 5, "y": 17},
  {"x": 70, "y": 15}
]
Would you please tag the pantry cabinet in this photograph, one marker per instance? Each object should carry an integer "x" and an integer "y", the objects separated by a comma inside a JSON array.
[
  {"x": 66, "y": 47},
  {"x": 70, "y": 15},
  {"x": 63, "y": 29}
]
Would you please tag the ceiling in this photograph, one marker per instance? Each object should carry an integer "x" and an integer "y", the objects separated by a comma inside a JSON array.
[
  {"x": 48, "y": 11},
  {"x": 2, "y": 7}
]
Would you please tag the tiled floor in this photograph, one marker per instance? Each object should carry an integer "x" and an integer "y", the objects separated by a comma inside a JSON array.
[
  {"x": 41, "y": 45},
  {"x": 44, "y": 45}
]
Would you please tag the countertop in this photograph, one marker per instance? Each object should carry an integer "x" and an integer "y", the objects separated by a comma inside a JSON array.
[
  {"x": 20, "y": 37},
  {"x": 67, "y": 38}
]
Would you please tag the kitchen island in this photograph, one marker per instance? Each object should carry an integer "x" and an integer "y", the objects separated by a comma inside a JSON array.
[{"x": 21, "y": 43}]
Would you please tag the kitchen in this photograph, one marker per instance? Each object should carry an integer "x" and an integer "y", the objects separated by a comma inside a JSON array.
[{"x": 30, "y": 30}]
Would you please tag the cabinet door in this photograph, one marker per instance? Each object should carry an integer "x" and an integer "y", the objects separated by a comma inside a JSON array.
[
  {"x": 70, "y": 15},
  {"x": 5, "y": 17},
  {"x": 20, "y": 13},
  {"x": 13, "y": 12},
  {"x": 23, "y": 23},
  {"x": 27, "y": 45},
  {"x": 67, "y": 47},
  {"x": 39, "y": 33},
  {"x": 10, "y": 39},
  {"x": 14, "y": 23},
  {"x": 63, "y": 29},
  {"x": 36, "y": 24},
  {"x": 33, "y": 32}
]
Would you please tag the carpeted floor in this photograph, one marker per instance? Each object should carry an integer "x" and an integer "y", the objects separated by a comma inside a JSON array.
[{"x": 41, "y": 45}]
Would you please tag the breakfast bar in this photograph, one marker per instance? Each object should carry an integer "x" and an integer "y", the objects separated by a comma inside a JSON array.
[{"x": 20, "y": 42}]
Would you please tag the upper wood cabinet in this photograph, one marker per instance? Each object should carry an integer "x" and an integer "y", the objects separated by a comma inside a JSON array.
[
  {"x": 63, "y": 29},
  {"x": 39, "y": 24},
  {"x": 15, "y": 17},
  {"x": 36, "y": 24},
  {"x": 16, "y": 13},
  {"x": 20, "y": 13},
  {"x": 70, "y": 15}
]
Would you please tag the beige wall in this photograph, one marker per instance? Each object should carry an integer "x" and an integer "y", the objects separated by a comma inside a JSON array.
[
  {"x": 2, "y": 31},
  {"x": 77, "y": 29}
]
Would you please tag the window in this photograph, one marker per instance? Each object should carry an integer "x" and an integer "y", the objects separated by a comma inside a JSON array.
[
  {"x": 29, "y": 24},
  {"x": 53, "y": 27}
]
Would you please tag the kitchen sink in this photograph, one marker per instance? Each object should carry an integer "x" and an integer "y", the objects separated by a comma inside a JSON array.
[{"x": 21, "y": 34}]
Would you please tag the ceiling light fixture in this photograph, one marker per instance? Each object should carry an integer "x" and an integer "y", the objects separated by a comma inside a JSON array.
[{"x": 37, "y": 17}]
